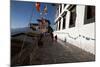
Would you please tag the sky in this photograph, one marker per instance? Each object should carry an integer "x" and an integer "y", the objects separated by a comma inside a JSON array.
[{"x": 20, "y": 12}]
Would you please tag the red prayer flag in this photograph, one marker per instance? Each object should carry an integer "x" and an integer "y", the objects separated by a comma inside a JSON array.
[{"x": 37, "y": 6}]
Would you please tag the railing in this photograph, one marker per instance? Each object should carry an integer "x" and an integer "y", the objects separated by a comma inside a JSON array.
[{"x": 85, "y": 37}]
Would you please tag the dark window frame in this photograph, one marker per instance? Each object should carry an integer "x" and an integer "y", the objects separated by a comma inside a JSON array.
[
  {"x": 59, "y": 24},
  {"x": 64, "y": 20},
  {"x": 72, "y": 16},
  {"x": 65, "y": 5},
  {"x": 60, "y": 8},
  {"x": 89, "y": 19}
]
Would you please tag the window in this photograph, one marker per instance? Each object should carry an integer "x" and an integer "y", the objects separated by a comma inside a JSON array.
[
  {"x": 56, "y": 25},
  {"x": 65, "y": 5},
  {"x": 64, "y": 20},
  {"x": 72, "y": 16},
  {"x": 60, "y": 8},
  {"x": 89, "y": 14},
  {"x": 59, "y": 23}
]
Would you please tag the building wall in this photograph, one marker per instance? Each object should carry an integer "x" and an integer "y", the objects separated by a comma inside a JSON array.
[{"x": 82, "y": 35}]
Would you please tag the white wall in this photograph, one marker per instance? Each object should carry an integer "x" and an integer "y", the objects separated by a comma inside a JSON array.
[{"x": 87, "y": 30}]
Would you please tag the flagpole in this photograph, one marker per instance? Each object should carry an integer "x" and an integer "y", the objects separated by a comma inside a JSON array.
[
  {"x": 25, "y": 35},
  {"x": 31, "y": 16}
]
